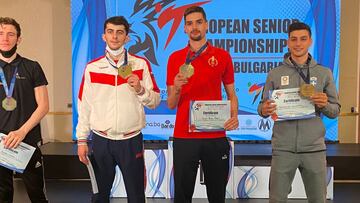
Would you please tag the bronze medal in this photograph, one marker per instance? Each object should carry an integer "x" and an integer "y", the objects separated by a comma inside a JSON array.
[
  {"x": 307, "y": 90},
  {"x": 125, "y": 71},
  {"x": 9, "y": 104},
  {"x": 187, "y": 70}
]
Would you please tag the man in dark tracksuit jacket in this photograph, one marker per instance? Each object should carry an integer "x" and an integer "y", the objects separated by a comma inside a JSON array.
[{"x": 300, "y": 143}]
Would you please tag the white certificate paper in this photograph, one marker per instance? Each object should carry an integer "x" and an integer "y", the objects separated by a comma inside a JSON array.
[
  {"x": 15, "y": 159},
  {"x": 90, "y": 168},
  {"x": 208, "y": 115},
  {"x": 290, "y": 105}
]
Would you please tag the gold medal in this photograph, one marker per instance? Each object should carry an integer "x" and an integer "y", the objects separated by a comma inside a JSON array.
[
  {"x": 9, "y": 104},
  {"x": 187, "y": 70},
  {"x": 125, "y": 71},
  {"x": 307, "y": 90}
]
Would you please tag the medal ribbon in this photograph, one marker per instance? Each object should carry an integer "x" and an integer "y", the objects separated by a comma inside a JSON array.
[
  {"x": 189, "y": 60},
  {"x": 8, "y": 90},
  {"x": 125, "y": 60},
  {"x": 298, "y": 69}
]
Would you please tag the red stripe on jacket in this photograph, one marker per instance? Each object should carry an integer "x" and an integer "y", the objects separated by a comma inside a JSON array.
[
  {"x": 155, "y": 87},
  {"x": 81, "y": 89},
  {"x": 108, "y": 79}
]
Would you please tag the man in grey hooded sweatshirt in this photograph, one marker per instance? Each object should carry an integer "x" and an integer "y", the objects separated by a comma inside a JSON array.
[{"x": 299, "y": 144}]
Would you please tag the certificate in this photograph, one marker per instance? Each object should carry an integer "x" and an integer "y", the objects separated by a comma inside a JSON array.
[
  {"x": 91, "y": 171},
  {"x": 15, "y": 159},
  {"x": 208, "y": 115},
  {"x": 290, "y": 105}
]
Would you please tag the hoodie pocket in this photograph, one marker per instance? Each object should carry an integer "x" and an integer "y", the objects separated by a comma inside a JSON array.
[{"x": 312, "y": 133}]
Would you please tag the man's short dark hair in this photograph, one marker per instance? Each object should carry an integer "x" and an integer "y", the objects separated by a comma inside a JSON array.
[
  {"x": 299, "y": 26},
  {"x": 11, "y": 21},
  {"x": 194, "y": 9},
  {"x": 118, "y": 20}
]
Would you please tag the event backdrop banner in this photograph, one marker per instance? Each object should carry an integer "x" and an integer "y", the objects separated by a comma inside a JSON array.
[{"x": 254, "y": 32}]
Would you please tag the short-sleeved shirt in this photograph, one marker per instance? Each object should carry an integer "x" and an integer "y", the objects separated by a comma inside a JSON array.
[
  {"x": 29, "y": 75},
  {"x": 212, "y": 68}
]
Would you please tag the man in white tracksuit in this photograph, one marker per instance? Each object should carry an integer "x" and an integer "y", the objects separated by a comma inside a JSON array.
[{"x": 112, "y": 96}]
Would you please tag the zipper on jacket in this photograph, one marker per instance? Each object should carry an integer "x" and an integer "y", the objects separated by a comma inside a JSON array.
[
  {"x": 296, "y": 136},
  {"x": 297, "y": 121},
  {"x": 116, "y": 103}
]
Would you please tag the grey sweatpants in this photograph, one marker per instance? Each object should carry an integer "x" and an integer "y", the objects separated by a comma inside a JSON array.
[{"x": 312, "y": 167}]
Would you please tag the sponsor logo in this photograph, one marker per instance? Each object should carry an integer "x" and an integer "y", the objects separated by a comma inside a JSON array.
[
  {"x": 163, "y": 94},
  {"x": 264, "y": 124},
  {"x": 163, "y": 125},
  {"x": 197, "y": 106},
  {"x": 248, "y": 125},
  {"x": 18, "y": 77}
]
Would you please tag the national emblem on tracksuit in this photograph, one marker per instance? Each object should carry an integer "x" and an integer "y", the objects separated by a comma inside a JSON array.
[
  {"x": 313, "y": 81},
  {"x": 213, "y": 61}
]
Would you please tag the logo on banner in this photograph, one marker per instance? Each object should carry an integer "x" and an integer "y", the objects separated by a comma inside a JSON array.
[
  {"x": 264, "y": 124},
  {"x": 162, "y": 125},
  {"x": 248, "y": 125},
  {"x": 148, "y": 13},
  {"x": 255, "y": 88}
]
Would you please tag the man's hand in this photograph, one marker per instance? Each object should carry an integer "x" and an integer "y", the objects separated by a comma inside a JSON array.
[
  {"x": 13, "y": 139},
  {"x": 268, "y": 108},
  {"x": 232, "y": 123},
  {"x": 134, "y": 81},
  {"x": 83, "y": 153},
  {"x": 320, "y": 99},
  {"x": 179, "y": 81}
]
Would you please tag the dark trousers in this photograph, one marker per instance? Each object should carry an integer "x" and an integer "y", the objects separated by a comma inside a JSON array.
[
  {"x": 214, "y": 157},
  {"x": 129, "y": 156},
  {"x": 33, "y": 179}
]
